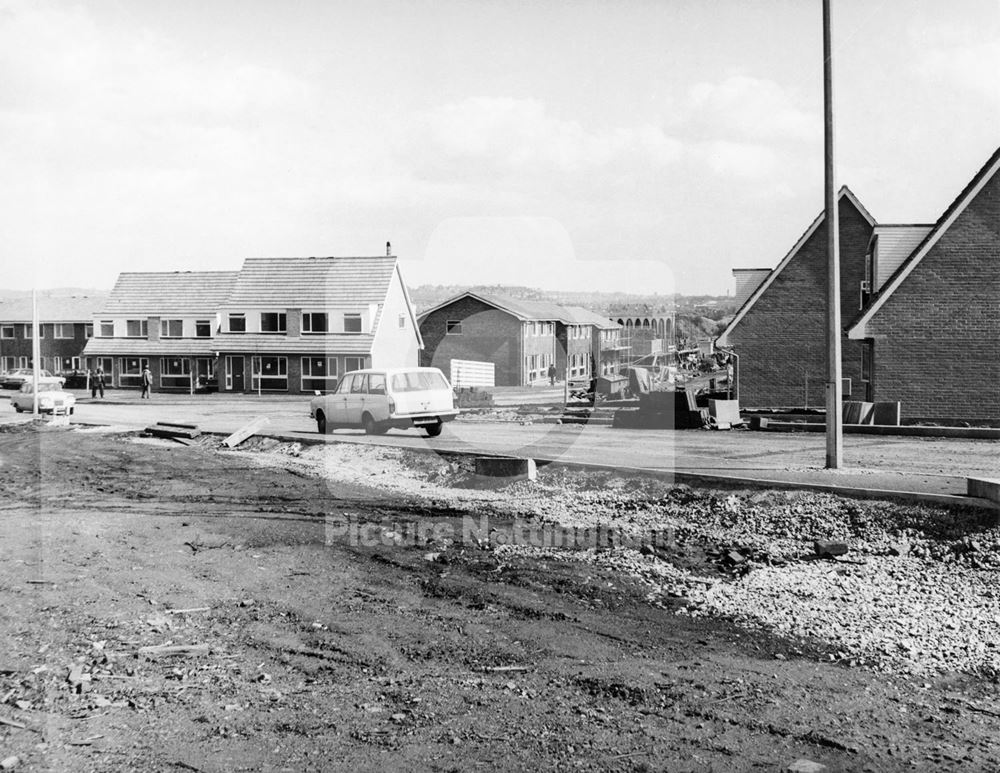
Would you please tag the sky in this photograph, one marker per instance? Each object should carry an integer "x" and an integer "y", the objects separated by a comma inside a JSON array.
[{"x": 632, "y": 146}]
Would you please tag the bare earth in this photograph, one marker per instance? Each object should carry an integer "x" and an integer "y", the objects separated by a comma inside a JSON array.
[{"x": 314, "y": 654}]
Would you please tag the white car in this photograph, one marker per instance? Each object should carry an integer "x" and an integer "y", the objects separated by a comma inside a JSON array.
[
  {"x": 377, "y": 400},
  {"x": 15, "y": 379},
  {"x": 51, "y": 397}
]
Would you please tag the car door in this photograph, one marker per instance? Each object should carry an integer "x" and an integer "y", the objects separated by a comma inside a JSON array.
[
  {"x": 354, "y": 406},
  {"x": 377, "y": 401},
  {"x": 336, "y": 403}
]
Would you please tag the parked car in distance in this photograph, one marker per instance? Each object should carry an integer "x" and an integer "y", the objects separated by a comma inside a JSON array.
[
  {"x": 51, "y": 397},
  {"x": 13, "y": 379},
  {"x": 379, "y": 399}
]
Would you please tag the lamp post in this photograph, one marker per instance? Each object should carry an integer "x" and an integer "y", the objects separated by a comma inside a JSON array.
[{"x": 834, "y": 385}]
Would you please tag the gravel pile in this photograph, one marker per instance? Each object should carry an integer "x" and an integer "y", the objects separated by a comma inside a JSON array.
[{"x": 915, "y": 594}]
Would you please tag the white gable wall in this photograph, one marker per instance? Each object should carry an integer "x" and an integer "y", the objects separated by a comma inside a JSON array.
[{"x": 396, "y": 346}]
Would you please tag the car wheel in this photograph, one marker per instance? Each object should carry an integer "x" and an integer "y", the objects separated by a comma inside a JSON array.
[
  {"x": 371, "y": 426},
  {"x": 433, "y": 430},
  {"x": 321, "y": 422}
]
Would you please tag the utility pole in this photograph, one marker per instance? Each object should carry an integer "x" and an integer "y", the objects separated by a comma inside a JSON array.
[
  {"x": 35, "y": 354},
  {"x": 834, "y": 385}
]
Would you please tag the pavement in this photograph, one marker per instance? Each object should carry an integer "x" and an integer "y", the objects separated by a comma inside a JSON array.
[{"x": 926, "y": 469}]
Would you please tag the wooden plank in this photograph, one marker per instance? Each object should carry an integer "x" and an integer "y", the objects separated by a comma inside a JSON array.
[
  {"x": 176, "y": 424},
  {"x": 251, "y": 428},
  {"x": 168, "y": 432}
]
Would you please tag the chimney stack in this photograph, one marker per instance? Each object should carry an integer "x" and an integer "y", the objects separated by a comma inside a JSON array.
[{"x": 388, "y": 250}]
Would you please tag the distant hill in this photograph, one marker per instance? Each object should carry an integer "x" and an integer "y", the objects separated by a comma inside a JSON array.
[{"x": 58, "y": 292}]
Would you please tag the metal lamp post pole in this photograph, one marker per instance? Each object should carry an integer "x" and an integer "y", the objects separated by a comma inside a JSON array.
[{"x": 834, "y": 385}]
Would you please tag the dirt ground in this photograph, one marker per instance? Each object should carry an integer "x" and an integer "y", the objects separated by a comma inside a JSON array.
[{"x": 309, "y": 653}]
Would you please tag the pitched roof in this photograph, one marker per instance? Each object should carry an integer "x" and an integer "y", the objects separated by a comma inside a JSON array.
[
  {"x": 895, "y": 244},
  {"x": 748, "y": 280},
  {"x": 312, "y": 282},
  {"x": 578, "y": 315},
  {"x": 529, "y": 311},
  {"x": 74, "y": 308},
  {"x": 748, "y": 304},
  {"x": 857, "y": 328},
  {"x": 159, "y": 293},
  {"x": 141, "y": 347}
]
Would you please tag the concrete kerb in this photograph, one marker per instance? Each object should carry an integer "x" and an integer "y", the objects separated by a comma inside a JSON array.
[
  {"x": 676, "y": 476},
  {"x": 688, "y": 478}
]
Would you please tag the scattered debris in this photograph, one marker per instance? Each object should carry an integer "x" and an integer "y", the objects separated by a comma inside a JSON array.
[
  {"x": 805, "y": 766},
  {"x": 165, "y": 429},
  {"x": 251, "y": 428},
  {"x": 173, "y": 649},
  {"x": 829, "y": 549},
  {"x": 9, "y": 763}
]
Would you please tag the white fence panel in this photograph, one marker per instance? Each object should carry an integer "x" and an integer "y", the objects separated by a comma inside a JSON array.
[{"x": 469, "y": 373}]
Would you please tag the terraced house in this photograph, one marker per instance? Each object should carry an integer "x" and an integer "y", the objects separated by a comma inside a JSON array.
[
  {"x": 519, "y": 339},
  {"x": 65, "y": 326},
  {"x": 298, "y": 324},
  {"x": 166, "y": 321}
]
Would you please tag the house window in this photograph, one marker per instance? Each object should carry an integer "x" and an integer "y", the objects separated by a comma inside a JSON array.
[
  {"x": 354, "y": 363},
  {"x": 175, "y": 373},
  {"x": 62, "y": 330},
  {"x": 402, "y": 321},
  {"x": 136, "y": 328},
  {"x": 453, "y": 327},
  {"x": 88, "y": 331},
  {"x": 74, "y": 363},
  {"x": 237, "y": 323},
  {"x": 352, "y": 323},
  {"x": 315, "y": 322},
  {"x": 23, "y": 362},
  {"x": 130, "y": 371},
  {"x": 107, "y": 328},
  {"x": 171, "y": 328},
  {"x": 319, "y": 373},
  {"x": 7, "y": 331},
  {"x": 269, "y": 374},
  {"x": 866, "y": 361},
  {"x": 203, "y": 328},
  {"x": 8, "y": 363},
  {"x": 272, "y": 322}
]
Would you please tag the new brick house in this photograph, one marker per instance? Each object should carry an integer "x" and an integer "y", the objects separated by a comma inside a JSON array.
[
  {"x": 520, "y": 338},
  {"x": 931, "y": 331},
  {"x": 166, "y": 321},
  {"x": 65, "y": 325},
  {"x": 779, "y": 331},
  {"x": 604, "y": 339},
  {"x": 298, "y": 324}
]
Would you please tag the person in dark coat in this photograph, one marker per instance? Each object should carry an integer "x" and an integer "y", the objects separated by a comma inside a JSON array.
[
  {"x": 97, "y": 382},
  {"x": 552, "y": 374},
  {"x": 147, "y": 382}
]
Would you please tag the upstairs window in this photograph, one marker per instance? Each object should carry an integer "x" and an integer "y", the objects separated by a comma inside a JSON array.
[
  {"x": 237, "y": 323},
  {"x": 88, "y": 331},
  {"x": 62, "y": 330},
  {"x": 315, "y": 322},
  {"x": 402, "y": 321},
  {"x": 352, "y": 323},
  {"x": 171, "y": 328},
  {"x": 453, "y": 327},
  {"x": 7, "y": 331},
  {"x": 137, "y": 328},
  {"x": 273, "y": 322},
  {"x": 203, "y": 328},
  {"x": 107, "y": 328}
]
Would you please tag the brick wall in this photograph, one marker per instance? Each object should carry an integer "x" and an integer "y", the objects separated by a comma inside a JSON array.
[
  {"x": 781, "y": 341},
  {"x": 488, "y": 335},
  {"x": 50, "y": 347},
  {"x": 937, "y": 338}
]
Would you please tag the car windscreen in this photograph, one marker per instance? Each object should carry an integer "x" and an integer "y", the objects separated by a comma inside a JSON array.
[{"x": 418, "y": 381}]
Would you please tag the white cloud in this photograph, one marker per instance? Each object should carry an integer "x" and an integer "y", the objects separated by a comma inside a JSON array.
[
  {"x": 741, "y": 108},
  {"x": 519, "y": 135}
]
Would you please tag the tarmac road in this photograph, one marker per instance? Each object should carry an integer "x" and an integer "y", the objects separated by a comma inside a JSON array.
[{"x": 931, "y": 466}]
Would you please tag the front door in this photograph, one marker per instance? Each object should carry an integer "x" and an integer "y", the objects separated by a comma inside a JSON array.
[{"x": 235, "y": 370}]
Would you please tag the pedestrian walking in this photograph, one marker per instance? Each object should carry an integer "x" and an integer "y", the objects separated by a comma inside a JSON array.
[
  {"x": 97, "y": 382},
  {"x": 147, "y": 382},
  {"x": 552, "y": 374}
]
